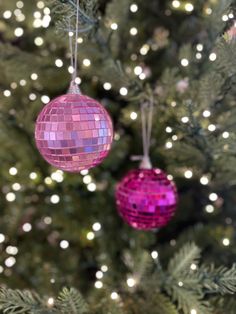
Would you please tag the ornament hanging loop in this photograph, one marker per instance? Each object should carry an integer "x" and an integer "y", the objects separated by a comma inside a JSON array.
[
  {"x": 74, "y": 89},
  {"x": 146, "y": 117}
]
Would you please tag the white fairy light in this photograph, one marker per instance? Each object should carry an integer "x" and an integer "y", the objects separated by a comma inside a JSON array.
[
  {"x": 10, "y": 197},
  {"x": 169, "y": 145},
  {"x": 36, "y": 24},
  {"x": 169, "y": 129},
  {"x": 114, "y": 296},
  {"x": 7, "y": 93},
  {"x": 185, "y": 119},
  {"x": 13, "y": 171},
  {"x": 199, "y": 47},
  {"x": 16, "y": 186},
  {"x": 198, "y": 55},
  {"x": 98, "y": 284},
  {"x": 32, "y": 96},
  {"x": 80, "y": 40},
  {"x": 1, "y": 269},
  {"x": 47, "y": 220},
  {"x": 78, "y": 80},
  {"x": 133, "y": 115},
  {"x": 19, "y": 32},
  {"x": 90, "y": 235},
  {"x": 193, "y": 266},
  {"x": 226, "y": 242},
  {"x": 50, "y": 302},
  {"x": 46, "y": 11},
  {"x": 142, "y": 76},
  {"x": 104, "y": 268},
  {"x": 2, "y": 237},
  {"x": 23, "y": 82},
  {"x": 107, "y": 86},
  {"x": 114, "y": 26},
  {"x": 57, "y": 176},
  {"x": 170, "y": 177},
  {"x": 180, "y": 284},
  {"x": 189, "y": 7},
  {"x": 188, "y": 174},
  {"x": 48, "y": 180},
  {"x": 99, "y": 274},
  {"x": 7, "y": 14},
  {"x": 123, "y": 91},
  {"x": 133, "y": 31},
  {"x": 184, "y": 62},
  {"x": 87, "y": 179},
  {"x": 59, "y": 63},
  {"x": 10, "y": 261},
  {"x": 92, "y": 187},
  {"x": 38, "y": 41},
  {"x": 209, "y": 209},
  {"x": 131, "y": 282},
  {"x": 138, "y": 70},
  {"x": 211, "y": 127},
  {"x": 193, "y": 311},
  {"x": 33, "y": 175},
  {"x": 11, "y": 250},
  {"x": 71, "y": 69},
  {"x": 154, "y": 254},
  {"x": 133, "y": 7},
  {"x": 64, "y": 244},
  {"x": 174, "y": 137},
  {"x": 225, "y": 135},
  {"x": 34, "y": 76},
  {"x": 96, "y": 226},
  {"x": 84, "y": 172},
  {"x": 213, "y": 197},
  {"x": 45, "y": 99},
  {"x": 212, "y": 56},
  {"x": 86, "y": 62},
  {"x": 27, "y": 227},
  {"x": 55, "y": 199},
  {"x": 175, "y": 4},
  {"x": 204, "y": 180},
  {"x": 46, "y": 21},
  {"x": 144, "y": 50},
  {"x": 225, "y": 18},
  {"x": 206, "y": 113}
]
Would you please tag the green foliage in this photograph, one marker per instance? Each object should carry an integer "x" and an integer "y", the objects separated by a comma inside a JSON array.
[{"x": 70, "y": 301}]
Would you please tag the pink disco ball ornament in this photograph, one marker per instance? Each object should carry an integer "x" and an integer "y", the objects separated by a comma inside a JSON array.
[
  {"x": 146, "y": 199},
  {"x": 74, "y": 132}
]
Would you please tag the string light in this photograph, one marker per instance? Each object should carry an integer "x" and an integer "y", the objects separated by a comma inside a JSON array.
[
  {"x": 169, "y": 129},
  {"x": 133, "y": 115},
  {"x": 198, "y": 55},
  {"x": 2, "y": 237},
  {"x": 225, "y": 18},
  {"x": 98, "y": 284},
  {"x": 57, "y": 176},
  {"x": 99, "y": 274},
  {"x": 133, "y": 7},
  {"x": 80, "y": 40},
  {"x": 38, "y": 41},
  {"x": 189, "y": 7},
  {"x": 175, "y": 4},
  {"x": 107, "y": 86},
  {"x": 32, "y": 96},
  {"x": 23, "y": 82},
  {"x": 7, "y": 93},
  {"x": 55, "y": 199},
  {"x": 213, "y": 197},
  {"x": 50, "y": 302},
  {"x": 193, "y": 311},
  {"x": 138, "y": 70},
  {"x": 10, "y": 261},
  {"x": 154, "y": 254},
  {"x": 11, "y": 250},
  {"x": 10, "y": 197},
  {"x": 19, "y": 32},
  {"x": 188, "y": 174},
  {"x": 59, "y": 63},
  {"x": 144, "y": 50},
  {"x": 204, "y": 180},
  {"x": 209, "y": 209},
  {"x": 123, "y": 91},
  {"x": 114, "y": 296},
  {"x": 47, "y": 220},
  {"x": 211, "y": 127},
  {"x": 184, "y": 62},
  {"x": 16, "y": 186},
  {"x": 169, "y": 145},
  {"x": 45, "y": 99},
  {"x": 180, "y": 283},
  {"x": 104, "y": 268},
  {"x": 225, "y": 135},
  {"x": 86, "y": 62},
  {"x": 114, "y": 26},
  {"x": 7, "y": 14},
  {"x": 27, "y": 227},
  {"x": 92, "y": 187},
  {"x": 48, "y": 180},
  {"x": 90, "y": 236},
  {"x": 206, "y": 113},
  {"x": 87, "y": 179},
  {"x": 96, "y": 226},
  {"x": 13, "y": 171},
  {"x": 212, "y": 56},
  {"x": 40, "y": 4},
  {"x": 199, "y": 47},
  {"x": 131, "y": 282},
  {"x": 226, "y": 242},
  {"x": 193, "y": 266},
  {"x": 185, "y": 119},
  {"x": 33, "y": 175},
  {"x": 64, "y": 244},
  {"x": 133, "y": 31}
]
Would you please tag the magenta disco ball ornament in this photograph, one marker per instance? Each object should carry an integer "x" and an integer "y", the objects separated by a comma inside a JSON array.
[
  {"x": 146, "y": 199},
  {"x": 74, "y": 132}
]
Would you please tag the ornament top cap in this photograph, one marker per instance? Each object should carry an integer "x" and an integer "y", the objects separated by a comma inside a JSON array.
[
  {"x": 145, "y": 163},
  {"x": 74, "y": 88}
]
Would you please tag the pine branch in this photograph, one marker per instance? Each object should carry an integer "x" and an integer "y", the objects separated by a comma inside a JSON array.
[
  {"x": 16, "y": 301},
  {"x": 163, "y": 305},
  {"x": 70, "y": 301},
  {"x": 182, "y": 260}
]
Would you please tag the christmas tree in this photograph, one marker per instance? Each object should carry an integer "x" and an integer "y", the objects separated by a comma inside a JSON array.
[{"x": 64, "y": 247}]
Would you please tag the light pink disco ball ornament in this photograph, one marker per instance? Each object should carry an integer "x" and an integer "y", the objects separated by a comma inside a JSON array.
[
  {"x": 146, "y": 199},
  {"x": 74, "y": 132}
]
